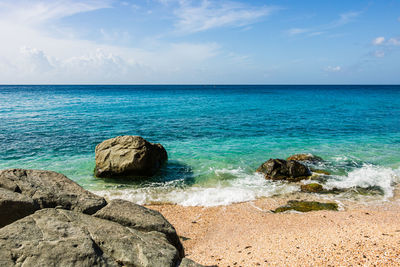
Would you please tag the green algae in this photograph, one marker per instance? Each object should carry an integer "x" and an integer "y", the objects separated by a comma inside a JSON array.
[
  {"x": 312, "y": 188},
  {"x": 306, "y": 206}
]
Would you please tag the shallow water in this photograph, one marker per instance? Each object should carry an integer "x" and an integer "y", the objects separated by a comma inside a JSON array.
[{"x": 216, "y": 136}]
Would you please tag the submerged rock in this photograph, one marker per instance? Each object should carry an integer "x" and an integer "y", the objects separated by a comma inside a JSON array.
[
  {"x": 305, "y": 158},
  {"x": 289, "y": 170},
  {"x": 317, "y": 188},
  {"x": 312, "y": 188},
  {"x": 306, "y": 206},
  {"x": 128, "y": 156}
]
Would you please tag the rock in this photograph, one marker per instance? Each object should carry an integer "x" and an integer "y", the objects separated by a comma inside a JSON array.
[
  {"x": 279, "y": 169},
  {"x": 30, "y": 190},
  {"x": 128, "y": 156},
  {"x": 189, "y": 263},
  {"x": 56, "y": 237},
  {"x": 14, "y": 206},
  {"x": 140, "y": 218},
  {"x": 305, "y": 157},
  {"x": 311, "y": 188},
  {"x": 58, "y": 233},
  {"x": 306, "y": 206}
]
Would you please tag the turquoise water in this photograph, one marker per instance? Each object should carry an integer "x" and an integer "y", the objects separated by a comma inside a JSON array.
[{"x": 216, "y": 136}]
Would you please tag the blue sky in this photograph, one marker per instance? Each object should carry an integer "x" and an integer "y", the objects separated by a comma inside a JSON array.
[{"x": 199, "y": 42}]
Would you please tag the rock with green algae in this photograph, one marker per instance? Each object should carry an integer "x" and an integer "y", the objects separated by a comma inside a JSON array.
[
  {"x": 306, "y": 206},
  {"x": 317, "y": 188},
  {"x": 305, "y": 158},
  {"x": 312, "y": 188}
]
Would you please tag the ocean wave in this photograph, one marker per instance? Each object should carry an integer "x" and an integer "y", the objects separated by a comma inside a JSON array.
[
  {"x": 246, "y": 187},
  {"x": 368, "y": 176}
]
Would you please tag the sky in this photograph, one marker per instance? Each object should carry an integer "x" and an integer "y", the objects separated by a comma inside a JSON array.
[{"x": 199, "y": 42}]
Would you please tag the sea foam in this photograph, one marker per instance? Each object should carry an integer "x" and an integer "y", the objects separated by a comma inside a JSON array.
[
  {"x": 366, "y": 177},
  {"x": 245, "y": 187}
]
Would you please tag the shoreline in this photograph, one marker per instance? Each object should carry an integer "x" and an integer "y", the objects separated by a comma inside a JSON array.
[{"x": 248, "y": 234}]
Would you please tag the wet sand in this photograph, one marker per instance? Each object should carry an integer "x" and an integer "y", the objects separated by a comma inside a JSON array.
[{"x": 248, "y": 234}]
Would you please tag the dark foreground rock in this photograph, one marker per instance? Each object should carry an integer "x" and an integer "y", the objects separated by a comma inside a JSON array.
[
  {"x": 288, "y": 170},
  {"x": 310, "y": 158},
  {"x": 306, "y": 206},
  {"x": 63, "y": 231},
  {"x": 128, "y": 156}
]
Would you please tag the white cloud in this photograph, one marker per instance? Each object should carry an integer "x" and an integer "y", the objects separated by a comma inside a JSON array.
[
  {"x": 343, "y": 19},
  {"x": 394, "y": 41},
  {"x": 36, "y": 12},
  {"x": 36, "y": 52},
  {"x": 333, "y": 68},
  {"x": 35, "y": 60},
  {"x": 386, "y": 46},
  {"x": 388, "y": 43},
  {"x": 378, "y": 40},
  {"x": 30, "y": 54},
  {"x": 197, "y": 16},
  {"x": 109, "y": 64}
]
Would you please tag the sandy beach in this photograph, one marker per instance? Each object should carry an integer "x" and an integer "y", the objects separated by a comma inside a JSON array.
[{"x": 248, "y": 234}]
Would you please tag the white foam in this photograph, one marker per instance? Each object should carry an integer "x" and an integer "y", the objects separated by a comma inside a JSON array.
[
  {"x": 368, "y": 176},
  {"x": 245, "y": 187}
]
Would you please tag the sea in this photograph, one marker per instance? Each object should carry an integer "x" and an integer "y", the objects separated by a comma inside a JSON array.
[{"x": 215, "y": 135}]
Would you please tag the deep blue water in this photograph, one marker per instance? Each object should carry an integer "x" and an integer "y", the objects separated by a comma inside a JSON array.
[{"x": 216, "y": 136}]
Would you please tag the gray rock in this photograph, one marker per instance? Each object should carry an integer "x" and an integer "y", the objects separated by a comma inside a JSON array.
[
  {"x": 128, "y": 156},
  {"x": 49, "y": 189},
  {"x": 55, "y": 237},
  {"x": 289, "y": 170},
  {"x": 14, "y": 206},
  {"x": 140, "y": 218}
]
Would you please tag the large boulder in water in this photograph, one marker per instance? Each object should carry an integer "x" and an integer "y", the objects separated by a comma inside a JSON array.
[
  {"x": 128, "y": 156},
  {"x": 288, "y": 170}
]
